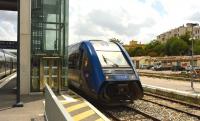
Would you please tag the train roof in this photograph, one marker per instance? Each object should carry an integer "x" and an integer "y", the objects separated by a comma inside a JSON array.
[
  {"x": 98, "y": 45},
  {"x": 105, "y": 46}
]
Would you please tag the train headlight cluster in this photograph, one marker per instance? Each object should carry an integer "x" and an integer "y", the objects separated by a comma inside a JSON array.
[{"x": 132, "y": 77}]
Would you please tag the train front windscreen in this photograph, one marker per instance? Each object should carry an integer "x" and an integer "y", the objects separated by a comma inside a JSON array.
[
  {"x": 113, "y": 62},
  {"x": 109, "y": 54},
  {"x": 112, "y": 59}
]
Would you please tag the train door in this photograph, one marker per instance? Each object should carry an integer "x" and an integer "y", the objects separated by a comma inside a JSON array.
[{"x": 50, "y": 73}]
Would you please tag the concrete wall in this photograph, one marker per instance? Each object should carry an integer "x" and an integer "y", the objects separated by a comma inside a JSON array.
[{"x": 25, "y": 45}]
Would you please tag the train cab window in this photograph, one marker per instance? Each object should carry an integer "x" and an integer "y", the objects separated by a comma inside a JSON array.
[
  {"x": 86, "y": 66},
  {"x": 74, "y": 60}
]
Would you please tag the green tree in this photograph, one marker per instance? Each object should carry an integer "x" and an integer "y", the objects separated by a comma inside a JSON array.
[
  {"x": 197, "y": 47},
  {"x": 155, "y": 48},
  {"x": 186, "y": 38},
  {"x": 116, "y": 40},
  {"x": 176, "y": 46},
  {"x": 138, "y": 51}
]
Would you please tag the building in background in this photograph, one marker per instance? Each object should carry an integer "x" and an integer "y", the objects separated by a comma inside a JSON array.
[
  {"x": 147, "y": 61},
  {"x": 133, "y": 44},
  {"x": 192, "y": 28}
]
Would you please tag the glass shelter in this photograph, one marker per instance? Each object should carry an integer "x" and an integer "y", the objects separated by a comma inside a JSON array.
[{"x": 49, "y": 37}]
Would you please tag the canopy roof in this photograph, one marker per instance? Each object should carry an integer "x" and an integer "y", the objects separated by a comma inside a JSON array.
[{"x": 10, "y": 5}]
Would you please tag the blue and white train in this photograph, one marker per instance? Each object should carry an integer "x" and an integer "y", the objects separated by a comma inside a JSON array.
[
  {"x": 8, "y": 63},
  {"x": 104, "y": 71}
]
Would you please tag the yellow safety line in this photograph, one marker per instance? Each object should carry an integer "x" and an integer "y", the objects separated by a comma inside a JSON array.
[
  {"x": 83, "y": 115},
  {"x": 64, "y": 102},
  {"x": 75, "y": 107},
  {"x": 100, "y": 119}
]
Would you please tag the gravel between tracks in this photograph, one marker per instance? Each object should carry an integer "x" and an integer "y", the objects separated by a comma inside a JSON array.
[
  {"x": 161, "y": 113},
  {"x": 154, "y": 110}
]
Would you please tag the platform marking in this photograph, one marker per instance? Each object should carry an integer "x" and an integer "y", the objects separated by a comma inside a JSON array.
[
  {"x": 7, "y": 79},
  {"x": 100, "y": 119},
  {"x": 83, "y": 115},
  {"x": 90, "y": 113},
  {"x": 75, "y": 107}
]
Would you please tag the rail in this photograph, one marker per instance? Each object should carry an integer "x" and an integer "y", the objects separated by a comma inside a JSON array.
[{"x": 54, "y": 110}]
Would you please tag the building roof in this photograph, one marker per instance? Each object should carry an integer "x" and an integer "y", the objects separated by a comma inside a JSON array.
[{"x": 168, "y": 58}]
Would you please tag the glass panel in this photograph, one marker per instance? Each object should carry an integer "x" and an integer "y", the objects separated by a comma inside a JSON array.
[
  {"x": 46, "y": 70},
  {"x": 35, "y": 83},
  {"x": 54, "y": 71},
  {"x": 55, "y": 83},
  {"x": 51, "y": 40},
  {"x": 51, "y": 26},
  {"x": 35, "y": 86},
  {"x": 47, "y": 80},
  {"x": 51, "y": 17}
]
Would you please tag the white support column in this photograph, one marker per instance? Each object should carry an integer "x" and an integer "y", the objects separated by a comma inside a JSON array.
[{"x": 25, "y": 45}]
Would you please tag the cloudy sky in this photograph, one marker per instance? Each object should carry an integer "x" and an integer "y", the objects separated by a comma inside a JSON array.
[
  {"x": 141, "y": 20},
  {"x": 8, "y": 25}
]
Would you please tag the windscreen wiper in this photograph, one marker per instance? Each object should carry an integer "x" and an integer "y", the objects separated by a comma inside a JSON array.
[{"x": 107, "y": 59}]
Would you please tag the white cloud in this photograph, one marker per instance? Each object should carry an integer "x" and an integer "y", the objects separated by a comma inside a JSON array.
[
  {"x": 8, "y": 25},
  {"x": 128, "y": 19},
  {"x": 141, "y": 20}
]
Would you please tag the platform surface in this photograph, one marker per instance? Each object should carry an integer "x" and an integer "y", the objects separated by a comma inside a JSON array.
[
  {"x": 184, "y": 86},
  {"x": 33, "y": 109}
]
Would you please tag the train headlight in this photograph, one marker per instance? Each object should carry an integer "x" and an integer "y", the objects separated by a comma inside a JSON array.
[
  {"x": 107, "y": 77},
  {"x": 132, "y": 77},
  {"x": 110, "y": 77}
]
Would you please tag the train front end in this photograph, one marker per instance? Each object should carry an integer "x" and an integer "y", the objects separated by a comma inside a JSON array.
[
  {"x": 121, "y": 86},
  {"x": 121, "y": 82}
]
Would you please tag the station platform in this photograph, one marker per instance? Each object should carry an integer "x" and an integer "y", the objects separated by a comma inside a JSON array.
[
  {"x": 177, "y": 89},
  {"x": 79, "y": 108},
  {"x": 33, "y": 109}
]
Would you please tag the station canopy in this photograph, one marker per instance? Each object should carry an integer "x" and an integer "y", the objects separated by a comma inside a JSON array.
[{"x": 10, "y": 5}]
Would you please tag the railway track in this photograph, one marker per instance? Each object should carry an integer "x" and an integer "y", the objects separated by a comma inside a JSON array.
[
  {"x": 179, "y": 106},
  {"x": 133, "y": 114},
  {"x": 174, "y": 100},
  {"x": 151, "y": 108},
  {"x": 154, "y": 108}
]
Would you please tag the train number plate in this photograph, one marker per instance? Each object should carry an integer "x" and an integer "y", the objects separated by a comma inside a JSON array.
[{"x": 122, "y": 77}]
